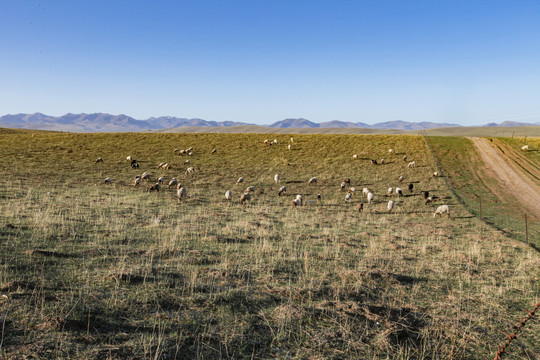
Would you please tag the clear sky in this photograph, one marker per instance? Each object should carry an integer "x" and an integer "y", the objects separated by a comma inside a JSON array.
[{"x": 466, "y": 62}]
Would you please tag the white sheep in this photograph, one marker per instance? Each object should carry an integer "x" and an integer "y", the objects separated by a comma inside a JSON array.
[
  {"x": 173, "y": 182},
  {"x": 299, "y": 198},
  {"x": 348, "y": 197},
  {"x": 429, "y": 199},
  {"x": 137, "y": 181},
  {"x": 370, "y": 197},
  {"x": 107, "y": 180},
  {"x": 282, "y": 190},
  {"x": 181, "y": 192},
  {"x": 399, "y": 191},
  {"x": 292, "y": 139},
  {"x": 296, "y": 203},
  {"x": 129, "y": 158},
  {"x": 228, "y": 195},
  {"x": 289, "y": 147},
  {"x": 525, "y": 147},
  {"x": 436, "y": 174},
  {"x": 383, "y": 161},
  {"x": 99, "y": 160},
  {"x": 390, "y": 205},
  {"x": 443, "y": 209},
  {"x": 250, "y": 189},
  {"x": 265, "y": 141},
  {"x": 187, "y": 162},
  {"x": 352, "y": 190},
  {"x": 214, "y": 151},
  {"x": 365, "y": 191},
  {"x": 245, "y": 197},
  {"x": 275, "y": 141},
  {"x": 400, "y": 178},
  {"x": 390, "y": 191},
  {"x": 391, "y": 151},
  {"x": 190, "y": 170},
  {"x": 156, "y": 186},
  {"x": 239, "y": 181},
  {"x": 276, "y": 178},
  {"x": 412, "y": 164},
  {"x": 355, "y": 157},
  {"x": 405, "y": 158},
  {"x": 313, "y": 180},
  {"x": 343, "y": 185},
  {"x": 145, "y": 176}
]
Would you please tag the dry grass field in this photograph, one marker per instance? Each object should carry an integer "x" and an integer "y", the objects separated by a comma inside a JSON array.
[{"x": 109, "y": 271}]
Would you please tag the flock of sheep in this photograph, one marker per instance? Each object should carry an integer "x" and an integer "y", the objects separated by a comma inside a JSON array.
[{"x": 246, "y": 195}]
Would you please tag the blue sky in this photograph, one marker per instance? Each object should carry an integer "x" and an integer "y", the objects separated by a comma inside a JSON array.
[{"x": 464, "y": 62}]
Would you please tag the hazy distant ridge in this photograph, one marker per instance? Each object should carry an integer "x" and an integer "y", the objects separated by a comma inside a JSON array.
[{"x": 102, "y": 122}]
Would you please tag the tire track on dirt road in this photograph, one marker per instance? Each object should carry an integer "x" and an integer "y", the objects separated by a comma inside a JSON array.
[{"x": 507, "y": 169}]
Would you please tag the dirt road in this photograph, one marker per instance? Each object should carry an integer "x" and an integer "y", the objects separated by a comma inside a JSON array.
[{"x": 508, "y": 167}]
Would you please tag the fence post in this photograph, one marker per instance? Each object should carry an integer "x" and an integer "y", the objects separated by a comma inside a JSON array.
[{"x": 526, "y": 229}]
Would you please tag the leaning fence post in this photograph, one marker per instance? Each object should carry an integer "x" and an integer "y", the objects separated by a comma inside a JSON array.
[{"x": 526, "y": 229}]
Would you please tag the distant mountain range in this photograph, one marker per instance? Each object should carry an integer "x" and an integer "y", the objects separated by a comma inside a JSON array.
[{"x": 100, "y": 122}]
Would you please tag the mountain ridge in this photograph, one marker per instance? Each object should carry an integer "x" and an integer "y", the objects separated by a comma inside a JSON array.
[{"x": 104, "y": 122}]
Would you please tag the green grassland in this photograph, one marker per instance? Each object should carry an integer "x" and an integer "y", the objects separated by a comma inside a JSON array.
[
  {"x": 464, "y": 169},
  {"x": 518, "y": 131},
  {"x": 90, "y": 270}
]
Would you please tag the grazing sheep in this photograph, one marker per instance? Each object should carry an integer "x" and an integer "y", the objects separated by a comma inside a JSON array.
[
  {"x": 275, "y": 141},
  {"x": 134, "y": 164},
  {"x": 145, "y": 176},
  {"x": 173, "y": 182},
  {"x": 214, "y": 151},
  {"x": 313, "y": 180},
  {"x": 426, "y": 194},
  {"x": 319, "y": 197},
  {"x": 412, "y": 164},
  {"x": 156, "y": 186},
  {"x": 399, "y": 191},
  {"x": 411, "y": 187},
  {"x": 390, "y": 205},
  {"x": 137, "y": 181},
  {"x": 107, "y": 180},
  {"x": 99, "y": 160},
  {"x": 348, "y": 197},
  {"x": 190, "y": 153},
  {"x": 187, "y": 162},
  {"x": 383, "y": 161},
  {"x": 370, "y": 197},
  {"x": 245, "y": 197},
  {"x": 391, "y": 151},
  {"x": 296, "y": 203},
  {"x": 292, "y": 139},
  {"x": 347, "y": 181},
  {"x": 190, "y": 170},
  {"x": 239, "y": 181},
  {"x": 405, "y": 158},
  {"x": 164, "y": 165},
  {"x": 436, "y": 174},
  {"x": 160, "y": 165},
  {"x": 443, "y": 209},
  {"x": 429, "y": 199},
  {"x": 182, "y": 152},
  {"x": 129, "y": 158},
  {"x": 365, "y": 191},
  {"x": 161, "y": 179},
  {"x": 352, "y": 189},
  {"x": 355, "y": 157},
  {"x": 343, "y": 185},
  {"x": 360, "y": 207},
  {"x": 282, "y": 190},
  {"x": 250, "y": 189},
  {"x": 181, "y": 192},
  {"x": 265, "y": 141},
  {"x": 175, "y": 151},
  {"x": 390, "y": 191},
  {"x": 276, "y": 178},
  {"x": 525, "y": 147},
  {"x": 401, "y": 178},
  {"x": 189, "y": 149},
  {"x": 299, "y": 198},
  {"x": 228, "y": 195},
  {"x": 289, "y": 147},
  {"x": 374, "y": 162}
]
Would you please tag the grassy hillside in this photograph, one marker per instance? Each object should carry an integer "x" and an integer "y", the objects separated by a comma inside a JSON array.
[{"x": 90, "y": 270}]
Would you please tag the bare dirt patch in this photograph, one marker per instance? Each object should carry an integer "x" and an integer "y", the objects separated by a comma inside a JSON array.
[{"x": 508, "y": 169}]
